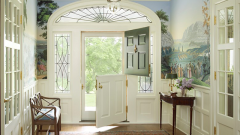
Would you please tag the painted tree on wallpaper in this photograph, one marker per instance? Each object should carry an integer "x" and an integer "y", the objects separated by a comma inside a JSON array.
[
  {"x": 45, "y": 10},
  {"x": 189, "y": 57},
  {"x": 166, "y": 41}
]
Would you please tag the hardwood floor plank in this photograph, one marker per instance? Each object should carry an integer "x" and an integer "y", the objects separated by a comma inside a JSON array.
[{"x": 116, "y": 127}]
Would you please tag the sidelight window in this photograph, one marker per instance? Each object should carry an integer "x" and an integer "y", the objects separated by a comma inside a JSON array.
[{"x": 62, "y": 63}]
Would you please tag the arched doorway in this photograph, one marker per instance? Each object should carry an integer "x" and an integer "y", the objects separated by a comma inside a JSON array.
[{"x": 71, "y": 32}]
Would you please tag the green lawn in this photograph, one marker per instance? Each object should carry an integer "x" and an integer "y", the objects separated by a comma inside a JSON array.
[{"x": 90, "y": 100}]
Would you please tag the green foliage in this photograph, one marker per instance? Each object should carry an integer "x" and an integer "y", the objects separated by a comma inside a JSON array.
[
  {"x": 103, "y": 56},
  {"x": 164, "y": 18},
  {"x": 46, "y": 8}
]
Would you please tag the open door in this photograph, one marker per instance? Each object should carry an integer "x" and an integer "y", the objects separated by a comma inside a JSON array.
[
  {"x": 137, "y": 52},
  {"x": 111, "y": 89},
  {"x": 111, "y": 99}
]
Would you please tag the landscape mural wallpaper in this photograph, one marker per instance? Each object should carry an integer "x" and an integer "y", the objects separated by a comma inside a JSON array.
[
  {"x": 185, "y": 37},
  {"x": 29, "y": 42},
  {"x": 187, "y": 52}
]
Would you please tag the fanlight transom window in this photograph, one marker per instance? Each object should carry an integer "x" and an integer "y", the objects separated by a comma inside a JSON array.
[{"x": 102, "y": 15}]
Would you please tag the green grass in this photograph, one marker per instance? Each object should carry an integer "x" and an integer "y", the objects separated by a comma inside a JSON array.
[{"x": 90, "y": 100}]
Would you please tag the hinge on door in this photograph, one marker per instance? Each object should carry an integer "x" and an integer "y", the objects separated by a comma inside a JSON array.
[
  {"x": 21, "y": 131},
  {"x": 215, "y": 20},
  {"x": 215, "y": 130},
  {"x": 126, "y": 83},
  {"x": 215, "y": 75},
  {"x": 21, "y": 75},
  {"x": 126, "y": 109},
  {"x": 21, "y": 19},
  {"x": 82, "y": 86},
  {"x": 96, "y": 85}
]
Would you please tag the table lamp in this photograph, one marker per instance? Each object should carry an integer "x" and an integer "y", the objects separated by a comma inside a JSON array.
[{"x": 171, "y": 76}]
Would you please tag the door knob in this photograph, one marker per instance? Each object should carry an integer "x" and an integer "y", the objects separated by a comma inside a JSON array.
[
  {"x": 8, "y": 99},
  {"x": 100, "y": 86},
  {"x": 135, "y": 49}
]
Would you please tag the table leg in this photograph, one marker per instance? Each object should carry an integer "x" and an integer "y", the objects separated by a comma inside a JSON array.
[
  {"x": 191, "y": 120},
  {"x": 160, "y": 114},
  {"x": 174, "y": 118}
]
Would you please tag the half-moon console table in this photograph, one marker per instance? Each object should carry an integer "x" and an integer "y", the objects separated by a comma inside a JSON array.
[{"x": 176, "y": 100}]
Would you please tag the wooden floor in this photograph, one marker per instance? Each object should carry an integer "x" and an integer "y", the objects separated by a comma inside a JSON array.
[{"x": 92, "y": 130}]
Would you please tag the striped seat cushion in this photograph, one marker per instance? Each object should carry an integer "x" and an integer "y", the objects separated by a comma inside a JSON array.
[{"x": 49, "y": 114}]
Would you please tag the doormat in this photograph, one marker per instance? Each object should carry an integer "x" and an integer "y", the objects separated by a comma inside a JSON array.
[{"x": 139, "y": 132}]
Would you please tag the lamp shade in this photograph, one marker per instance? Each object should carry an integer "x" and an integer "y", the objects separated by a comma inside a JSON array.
[{"x": 171, "y": 76}]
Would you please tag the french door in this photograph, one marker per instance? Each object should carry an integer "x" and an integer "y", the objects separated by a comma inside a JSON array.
[
  {"x": 11, "y": 53},
  {"x": 226, "y": 68}
]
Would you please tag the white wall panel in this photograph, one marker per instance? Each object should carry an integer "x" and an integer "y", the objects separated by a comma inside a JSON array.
[
  {"x": 201, "y": 113},
  {"x": 145, "y": 110},
  {"x": 224, "y": 130}
]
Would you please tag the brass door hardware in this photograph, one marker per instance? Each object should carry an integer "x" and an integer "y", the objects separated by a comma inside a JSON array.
[
  {"x": 82, "y": 86},
  {"x": 100, "y": 86},
  {"x": 8, "y": 99},
  {"x": 215, "y": 75},
  {"x": 135, "y": 49},
  {"x": 96, "y": 85},
  {"x": 215, "y": 20}
]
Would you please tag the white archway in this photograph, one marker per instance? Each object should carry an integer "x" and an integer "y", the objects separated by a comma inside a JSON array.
[{"x": 71, "y": 107}]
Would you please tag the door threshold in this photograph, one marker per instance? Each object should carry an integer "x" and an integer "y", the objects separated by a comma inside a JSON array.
[{"x": 88, "y": 121}]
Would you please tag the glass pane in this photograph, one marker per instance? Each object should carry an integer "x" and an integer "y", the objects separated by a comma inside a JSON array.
[
  {"x": 18, "y": 17},
  {"x": 230, "y": 58},
  {"x": 14, "y": 33},
  {"x": 106, "y": 60},
  {"x": 221, "y": 35},
  {"x": 222, "y": 60},
  {"x": 230, "y": 83},
  {"x": 17, "y": 35},
  {"x": 230, "y": 106},
  {"x": 14, "y": 59},
  {"x": 6, "y": 30},
  {"x": 230, "y": 34},
  {"x": 222, "y": 82},
  {"x": 62, "y": 66},
  {"x": 222, "y": 104},
  {"x": 6, "y": 14},
  {"x": 230, "y": 15},
  {"x": 14, "y": 15},
  {"x": 15, "y": 105},
  {"x": 10, "y": 31},
  {"x": 10, "y": 11},
  {"x": 221, "y": 14}
]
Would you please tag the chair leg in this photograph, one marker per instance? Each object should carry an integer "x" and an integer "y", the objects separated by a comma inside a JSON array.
[
  {"x": 55, "y": 129},
  {"x": 60, "y": 122},
  {"x": 37, "y": 130},
  {"x": 33, "y": 129}
]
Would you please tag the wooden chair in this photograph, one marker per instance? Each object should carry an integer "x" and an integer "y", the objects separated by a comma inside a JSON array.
[{"x": 45, "y": 115}]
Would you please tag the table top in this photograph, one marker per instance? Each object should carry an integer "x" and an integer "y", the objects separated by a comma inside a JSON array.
[{"x": 178, "y": 96}]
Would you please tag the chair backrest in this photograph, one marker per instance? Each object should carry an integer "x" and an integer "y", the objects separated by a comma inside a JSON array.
[
  {"x": 34, "y": 102},
  {"x": 39, "y": 100}
]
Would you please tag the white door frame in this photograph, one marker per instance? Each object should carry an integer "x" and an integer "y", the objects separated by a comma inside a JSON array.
[{"x": 76, "y": 28}]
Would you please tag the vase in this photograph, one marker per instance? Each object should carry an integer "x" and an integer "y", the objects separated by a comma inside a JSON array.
[{"x": 184, "y": 92}]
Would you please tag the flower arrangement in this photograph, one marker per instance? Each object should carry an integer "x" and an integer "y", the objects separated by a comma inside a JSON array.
[{"x": 184, "y": 84}]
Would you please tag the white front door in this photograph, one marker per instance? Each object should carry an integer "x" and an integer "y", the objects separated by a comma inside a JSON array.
[
  {"x": 111, "y": 99},
  {"x": 225, "y": 50},
  {"x": 12, "y": 66}
]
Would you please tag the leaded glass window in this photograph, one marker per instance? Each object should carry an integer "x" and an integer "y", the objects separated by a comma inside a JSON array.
[
  {"x": 101, "y": 14},
  {"x": 62, "y": 63},
  {"x": 145, "y": 84}
]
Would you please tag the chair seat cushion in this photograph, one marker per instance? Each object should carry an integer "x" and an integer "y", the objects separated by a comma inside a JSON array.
[{"x": 49, "y": 114}]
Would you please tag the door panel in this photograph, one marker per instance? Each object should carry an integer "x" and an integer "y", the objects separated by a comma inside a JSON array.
[
  {"x": 111, "y": 99},
  {"x": 137, "y": 52}
]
